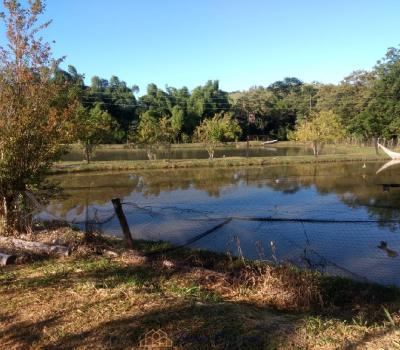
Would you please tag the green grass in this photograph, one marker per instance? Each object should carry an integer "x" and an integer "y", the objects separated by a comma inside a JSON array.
[
  {"x": 340, "y": 153},
  {"x": 241, "y": 144}
]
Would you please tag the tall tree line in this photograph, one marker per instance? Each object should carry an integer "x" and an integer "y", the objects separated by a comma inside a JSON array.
[{"x": 367, "y": 103}]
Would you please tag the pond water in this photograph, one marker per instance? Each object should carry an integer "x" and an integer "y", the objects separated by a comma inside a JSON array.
[
  {"x": 104, "y": 154},
  {"x": 340, "y": 218}
]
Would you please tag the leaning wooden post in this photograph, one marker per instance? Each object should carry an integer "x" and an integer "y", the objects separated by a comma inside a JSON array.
[{"x": 123, "y": 222}]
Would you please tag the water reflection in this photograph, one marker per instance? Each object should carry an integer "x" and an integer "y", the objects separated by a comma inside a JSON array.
[
  {"x": 178, "y": 205},
  {"x": 390, "y": 253},
  {"x": 353, "y": 185}
]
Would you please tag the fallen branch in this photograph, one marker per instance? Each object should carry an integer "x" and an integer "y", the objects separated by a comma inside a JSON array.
[
  {"x": 6, "y": 259},
  {"x": 36, "y": 247}
]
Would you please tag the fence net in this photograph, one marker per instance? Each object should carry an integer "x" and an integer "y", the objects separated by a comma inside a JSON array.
[{"x": 359, "y": 249}]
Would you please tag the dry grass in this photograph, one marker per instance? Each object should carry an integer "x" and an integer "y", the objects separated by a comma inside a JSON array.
[{"x": 95, "y": 299}]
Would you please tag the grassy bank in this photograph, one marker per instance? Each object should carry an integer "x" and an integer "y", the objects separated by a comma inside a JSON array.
[
  {"x": 339, "y": 153},
  {"x": 103, "y": 300},
  {"x": 240, "y": 144}
]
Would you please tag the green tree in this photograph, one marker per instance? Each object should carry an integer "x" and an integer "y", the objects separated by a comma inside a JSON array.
[
  {"x": 148, "y": 128},
  {"x": 117, "y": 98},
  {"x": 93, "y": 126},
  {"x": 319, "y": 129},
  {"x": 34, "y": 113},
  {"x": 286, "y": 86},
  {"x": 349, "y": 100},
  {"x": 166, "y": 132},
  {"x": 177, "y": 119},
  {"x": 208, "y": 100},
  {"x": 156, "y": 100},
  {"x": 383, "y": 107},
  {"x": 218, "y": 129},
  {"x": 253, "y": 109},
  {"x": 273, "y": 111},
  {"x": 153, "y": 133}
]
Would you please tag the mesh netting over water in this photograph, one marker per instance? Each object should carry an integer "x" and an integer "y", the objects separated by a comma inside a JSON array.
[{"x": 359, "y": 249}]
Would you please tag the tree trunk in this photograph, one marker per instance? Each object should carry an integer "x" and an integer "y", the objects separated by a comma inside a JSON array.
[
  {"x": 3, "y": 212},
  {"x": 151, "y": 153},
  {"x": 14, "y": 213},
  {"x": 87, "y": 152},
  {"x": 210, "y": 151},
  {"x": 375, "y": 141},
  {"x": 169, "y": 151},
  {"x": 7, "y": 213},
  {"x": 315, "y": 148}
]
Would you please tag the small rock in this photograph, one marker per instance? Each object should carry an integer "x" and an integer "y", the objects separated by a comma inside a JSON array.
[
  {"x": 110, "y": 254},
  {"x": 168, "y": 264}
]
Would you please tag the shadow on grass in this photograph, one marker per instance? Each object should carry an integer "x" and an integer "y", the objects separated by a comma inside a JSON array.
[
  {"x": 216, "y": 326},
  {"x": 191, "y": 326},
  {"x": 367, "y": 338},
  {"x": 189, "y": 321},
  {"x": 102, "y": 273},
  {"x": 345, "y": 298},
  {"x": 24, "y": 333}
]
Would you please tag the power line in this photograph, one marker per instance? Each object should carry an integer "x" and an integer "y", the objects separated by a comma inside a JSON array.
[{"x": 220, "y": 106}]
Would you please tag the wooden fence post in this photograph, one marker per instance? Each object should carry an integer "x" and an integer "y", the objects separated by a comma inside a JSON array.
[{"x": 123, "y": 222}]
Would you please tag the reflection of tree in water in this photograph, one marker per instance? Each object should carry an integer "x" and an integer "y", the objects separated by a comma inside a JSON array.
[
  {"x": 358, "y": 191},
  {"x": 100, "y": 188},
  {"x": 210, "y": 180},
  {"x": 355, "y": 186},
  {"x": 93, "y": 189}
]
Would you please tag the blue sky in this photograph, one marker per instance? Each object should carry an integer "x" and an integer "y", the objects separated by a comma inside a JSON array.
[{"x": 241, "y": 43}]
